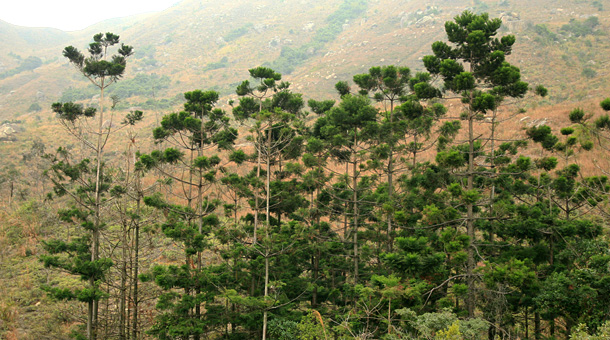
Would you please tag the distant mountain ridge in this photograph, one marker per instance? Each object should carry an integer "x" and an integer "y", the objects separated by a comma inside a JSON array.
[{"x": 27, "y": 39}]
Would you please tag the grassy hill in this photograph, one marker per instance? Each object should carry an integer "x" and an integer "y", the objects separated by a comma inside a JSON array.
[
  {"x": 211, "y": 45},
  {"x": 206, "y": 44}
]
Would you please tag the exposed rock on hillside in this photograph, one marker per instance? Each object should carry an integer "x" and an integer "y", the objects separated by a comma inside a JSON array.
[
  {"x": 512, "y": 21},
  {"x": 8, "y": 132}
]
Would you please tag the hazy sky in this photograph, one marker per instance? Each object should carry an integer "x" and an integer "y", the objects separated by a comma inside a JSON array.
[{"x": 72, "y": 15}]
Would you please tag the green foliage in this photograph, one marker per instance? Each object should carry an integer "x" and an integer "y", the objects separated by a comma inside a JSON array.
[
  {"x": 577, "y": 115},
  {"x": 147, "y": 51},
  {"x": 441, "y": 325},
  {"x": 198, "y": 107},
  {"x": 451, "y": 333},
  {"x": 95, "y": 67},
  {"x": 473, "y": 36},
  {"x": 354, "y": 115},
  {"x": 133, "y": 117},
  {"x": 267, "y": 79},
  {"x": 28, "y": 64},
  {"x": 582, "y": 332},
  {"x": 238, "y": 32},
  {"x": 320, "y": 107},
  {"x": 141, "y": 85},
  {"x": 588, "y": 72},
  {"x": 544, "y": 136},
  {"x": 35, "y": 107},
  {"x": 312, "y": 327},
  {"x": 605, "y": 104},
  {"x": 545, "y": 35},
  {"x": 283, "y": 329},
  {"x": 75, "y": 258},
  {"x": 185, "y": 288},
  {"x": 581, "y": 28},
  {"x": 541, "y": 91},
  {"x": 75, "y": 94},
  {"x": 223, "y": 63},
  {"x": 88, "y": 182}
]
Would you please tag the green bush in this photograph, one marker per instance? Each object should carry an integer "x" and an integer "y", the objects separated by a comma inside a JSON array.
[
  {"x": 588, "y": 72},
  {"x": 581, "y": 28},
  {"x": 238, "y": 32},
  {"x": 582, "y": 333},
  {"x": 545, "y": 35},
  {"x": 28, "y": 64},
  {"x": 35, "y": 107},
  {"x": 223, "y": 63}
]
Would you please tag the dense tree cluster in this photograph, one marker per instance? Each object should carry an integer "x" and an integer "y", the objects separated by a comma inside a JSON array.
[{"x": 382, "y": 215}]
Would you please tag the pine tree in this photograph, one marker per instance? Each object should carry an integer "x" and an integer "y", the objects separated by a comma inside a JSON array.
[
  {"x": 274, "y": 112},
  {"x": 251, "y": 104},
  {"x": 86, "y": 181},
  {"x": 193, "y": 133},
  {"x": 347, "y": 130},
  {"x": 474, "y": 67}
]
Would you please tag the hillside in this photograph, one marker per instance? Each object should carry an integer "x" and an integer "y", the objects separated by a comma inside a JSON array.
[{"x": 208, "y": 44}]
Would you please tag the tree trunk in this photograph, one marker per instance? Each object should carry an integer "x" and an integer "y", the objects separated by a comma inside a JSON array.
[
  {"x": 492, "y": 194},
  {"x": 470, "y": 299},
  {"x": 123, "y": 295},
  {"x": 12, "y": 190},
  {"x": 316, "y": 257},
  {"x": 92, "y": 314},
  {"x": 346, "y": 206},
  {"x": 135, "y": 271},
  {"x": 256, "y": 192},
  {"x": 314, "y": 295},
  {"x": 267, "y": 224},
  {"x": 389, "y": 315},
  {"x": 257, "y": 145},
  {"x": 355, "y": 222},
  {"x": 390, "y": 179},
  {"x": 526, "y": 317},
  {"x": 200, "y": 213},
  {"x": 268, "y": 180},
  {"x": 537, "y": 331},
  {"x": 265, "y": 313},
  {"x": 414, "y": 151}
]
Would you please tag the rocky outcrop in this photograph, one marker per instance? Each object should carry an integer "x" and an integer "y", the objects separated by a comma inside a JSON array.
[
  {"x": 8, "y": 132},
  {"x": 512, "y": 21},
  {"x": 419, "y": 18},
  {"x": 308, "y": 27}
]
